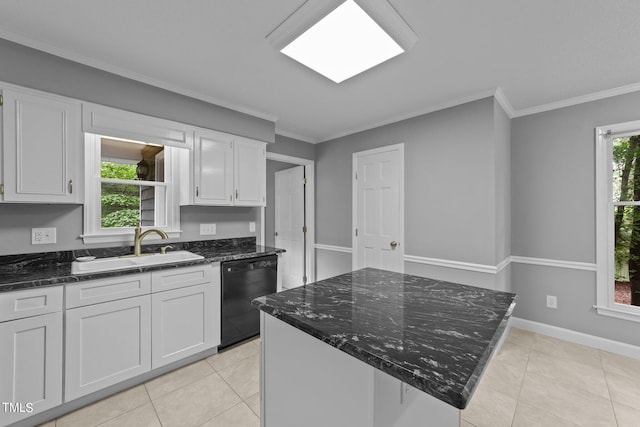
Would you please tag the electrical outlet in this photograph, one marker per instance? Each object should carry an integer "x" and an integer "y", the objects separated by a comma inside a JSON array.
[
  {"x": 252, "y": 227},
  {"x": 43, "y": 236},
  {"x": 552, "y": 301},
  {"x": 207, "y": 229}
]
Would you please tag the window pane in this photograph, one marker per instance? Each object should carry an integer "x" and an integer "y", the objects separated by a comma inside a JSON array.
[
  {"x": 123, "y": 205},
  {"x": 626, "y": 168},
  {"x": 131, "y": 160},
  {"x": 627, "y": 253}
]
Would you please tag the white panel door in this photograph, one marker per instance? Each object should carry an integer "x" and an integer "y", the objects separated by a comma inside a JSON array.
[
  {"x": 289, "y": 222},
  {"x": 41, "y": 138},
  {"x": 183, "y": 323},
  {"x": 30, "y": 365},
  {"x": 379, "y": 209},
  {"x": 213, "y": 169},
  {"x": 106, "y": 343},
  {"x": 250, "y": 172}
]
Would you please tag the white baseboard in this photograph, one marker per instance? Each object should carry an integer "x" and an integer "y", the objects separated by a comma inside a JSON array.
[
  {"x": 605, "y": 344},
  {"x": 333, "y": 248}
]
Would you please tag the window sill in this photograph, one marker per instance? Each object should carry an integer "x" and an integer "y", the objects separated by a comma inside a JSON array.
[
  {"x": 125, "y": 237},
  {"x": 630, "y": 314}
]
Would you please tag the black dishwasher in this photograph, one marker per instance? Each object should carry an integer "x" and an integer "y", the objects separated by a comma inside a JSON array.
[{"x": 242, "y": 281}]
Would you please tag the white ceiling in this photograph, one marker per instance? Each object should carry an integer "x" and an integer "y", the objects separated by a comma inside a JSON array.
[{"x": 538, "y": 52}]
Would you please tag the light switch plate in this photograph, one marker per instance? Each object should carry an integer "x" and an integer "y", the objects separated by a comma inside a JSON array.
[
  {"x": 43, "y": 236},
  {"x": 207, "y": 229},
  {"x": 252, "y": 227}
]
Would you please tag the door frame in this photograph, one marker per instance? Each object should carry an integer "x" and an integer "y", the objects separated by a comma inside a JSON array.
[
  {"x": 354, "y": 199},
  {"x": 309, "y": 219}
]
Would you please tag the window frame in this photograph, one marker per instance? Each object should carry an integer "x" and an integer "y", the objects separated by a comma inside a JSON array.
[
  {"x": 605, "y": 246},
  {"x": 93, "y": 231}
]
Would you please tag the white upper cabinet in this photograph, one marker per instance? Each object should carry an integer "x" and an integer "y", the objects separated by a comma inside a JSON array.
[
  {"x": 41, "y": 147},
  {"x": 227, "y": 170},
  {"x": 213, "y": 168},
  {"x": 249, "y": 172}
]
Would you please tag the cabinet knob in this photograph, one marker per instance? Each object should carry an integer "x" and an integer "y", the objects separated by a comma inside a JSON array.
[{"x": 70, "y": 186}]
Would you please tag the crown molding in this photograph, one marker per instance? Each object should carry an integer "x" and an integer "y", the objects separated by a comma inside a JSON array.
[
  {"x": 504, "y": 102},
  {"x": 582, "y": 99},
  {"x": 122, "y": 72},
  {"x": 293, "y": 135},
  {"x": 416, "y": 113}
]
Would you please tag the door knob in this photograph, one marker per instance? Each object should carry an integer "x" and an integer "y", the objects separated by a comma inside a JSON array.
[{"x": 393, "y": 244}]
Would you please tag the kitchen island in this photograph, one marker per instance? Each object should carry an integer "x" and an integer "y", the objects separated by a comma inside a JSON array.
[{"x": 376, "y": 348}]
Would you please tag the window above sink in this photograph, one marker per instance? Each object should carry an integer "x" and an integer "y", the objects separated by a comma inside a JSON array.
[{"x": 131, "y": 174}]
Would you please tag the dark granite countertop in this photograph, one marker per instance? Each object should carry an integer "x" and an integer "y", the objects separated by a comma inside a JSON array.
[
  {"x": 54, "y": 268},
  {"x": 434, "y": 335}
]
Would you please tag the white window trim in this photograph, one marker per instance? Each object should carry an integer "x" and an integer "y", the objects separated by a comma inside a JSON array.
[
  {"x": 93, "y": 233},
  {"x": 605, "y": 296}
]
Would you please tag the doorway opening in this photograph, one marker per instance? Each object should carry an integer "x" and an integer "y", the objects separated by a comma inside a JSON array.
[{"x": 289, "y": 216}]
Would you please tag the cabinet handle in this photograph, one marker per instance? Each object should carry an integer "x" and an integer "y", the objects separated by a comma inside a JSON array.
[
  {"x": 197, "y": 191},
  {"x": 231, "y": 197},
  {"x": 236, "y": 194},
  {"x": 70, "y": 186}
]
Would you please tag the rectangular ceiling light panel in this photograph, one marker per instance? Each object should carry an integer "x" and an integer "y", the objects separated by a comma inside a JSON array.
[{"x": 344, "y": 43}]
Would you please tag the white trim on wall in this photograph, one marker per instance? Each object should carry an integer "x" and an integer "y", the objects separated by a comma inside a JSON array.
[
  {"x": 573, "y": 265},
  {"x": 459, "y": 265},
  {"x": 595, "y": 96},
  {"x": 605, "y": 344},
  {"x": 480, "y": 268},
  {"x": 343, "y": 249}
]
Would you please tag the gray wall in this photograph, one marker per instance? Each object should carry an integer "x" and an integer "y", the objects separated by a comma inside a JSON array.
[
  {"x": 292, "y": 147},
  {"x": 28, "y": 67},
  {"x": 502, "y": 129},
  {"x": 16, "y": 221},
  {"x": 449, "y": 183},
  {"x": 553, "y": 213}
]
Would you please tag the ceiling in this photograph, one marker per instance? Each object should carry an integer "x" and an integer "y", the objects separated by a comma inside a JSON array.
[{"x": 538, "y": 53}]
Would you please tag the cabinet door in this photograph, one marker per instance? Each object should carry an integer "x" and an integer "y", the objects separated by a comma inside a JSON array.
[
  {"x": 106, "y": 344},
  {"x": 250, "y": 176},
  {"x": 213, "y": 169},
  {"x": 183, "y": 323},
  {"x": 30, "y": 366},
  {"x": 41, "y": 139}
]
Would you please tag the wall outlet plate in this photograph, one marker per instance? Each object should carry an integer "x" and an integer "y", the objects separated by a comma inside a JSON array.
[
  {"x": 552, "y": 301},
  {"x": 43, "y": 236},
  {"x": 252, "y": 227},
  {"x": 207, "y": 229}
]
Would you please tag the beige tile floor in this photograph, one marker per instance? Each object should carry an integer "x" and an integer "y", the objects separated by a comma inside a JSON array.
[{"x": 535, "y": 380}]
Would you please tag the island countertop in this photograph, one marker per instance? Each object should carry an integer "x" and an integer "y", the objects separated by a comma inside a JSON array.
[{"x": 436, "y": 336}]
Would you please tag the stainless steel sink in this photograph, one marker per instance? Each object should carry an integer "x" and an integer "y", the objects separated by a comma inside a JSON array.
[{"x": 118, "y": 263}]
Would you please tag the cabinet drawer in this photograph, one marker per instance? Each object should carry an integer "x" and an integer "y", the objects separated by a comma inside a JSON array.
[
  {"x": 180, "y": 277},
  {"x": 30, "y": 302},
  {"x": 109, "y": 289}
]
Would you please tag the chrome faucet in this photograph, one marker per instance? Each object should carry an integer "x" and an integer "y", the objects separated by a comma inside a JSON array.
[{"x": 139, "y": 235}]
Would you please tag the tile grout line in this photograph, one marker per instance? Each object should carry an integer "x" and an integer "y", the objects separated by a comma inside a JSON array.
[
  {"x": 606, "y": 380},
  {"x": 524, "y": 375},
  {"x": 155, "y": 410}
]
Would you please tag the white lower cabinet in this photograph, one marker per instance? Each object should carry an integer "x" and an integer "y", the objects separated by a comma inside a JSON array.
[
  {"x": 185, "y": 316},
  {"x": 118, "y": 328},
  {"x": 107, "y": 343},
  {"x": 30, "y": 352},
  {"x": 182, "y": 323},
  {"x": 30, "y": 366}
]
